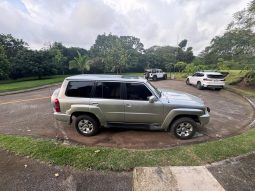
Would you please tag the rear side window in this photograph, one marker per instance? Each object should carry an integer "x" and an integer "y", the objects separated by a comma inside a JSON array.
[
  {"x": 79, "y": 89},
  {"x": 219, "y": 76},
  {"x": 136, "y": 91},
  {"x": 107, "y": 90}
]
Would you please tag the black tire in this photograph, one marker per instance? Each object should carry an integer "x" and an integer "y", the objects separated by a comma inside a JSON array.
[
  {"x": 90, "y": 125},
  {"x": 199, "y": 86},
  {"x": 217, "y": 89},
  {"x": 155, "y": 78},
  {"x": 184, "y": 128},
  {"x": 187, "y": 82}
]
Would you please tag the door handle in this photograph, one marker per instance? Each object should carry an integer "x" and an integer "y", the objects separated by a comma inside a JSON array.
[
  {"x": 128, "y": 105},
  {"x": 94, "y": 103}
]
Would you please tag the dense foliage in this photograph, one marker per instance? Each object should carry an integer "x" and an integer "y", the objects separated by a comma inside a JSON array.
[{"x": 109, "y": 54}]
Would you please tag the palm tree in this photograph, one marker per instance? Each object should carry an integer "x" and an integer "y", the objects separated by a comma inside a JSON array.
[{"x": 81, "y": 62}]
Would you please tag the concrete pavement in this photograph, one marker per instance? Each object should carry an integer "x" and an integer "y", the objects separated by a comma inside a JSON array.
[
  {"x": 22, "y": 173},
  {"x": 196, "y": 178}
]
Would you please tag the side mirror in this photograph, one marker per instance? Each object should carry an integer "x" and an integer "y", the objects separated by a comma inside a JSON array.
[{"x": 152, "y": 99}]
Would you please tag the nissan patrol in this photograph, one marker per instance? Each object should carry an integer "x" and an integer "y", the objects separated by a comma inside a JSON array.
[{"x": 95, "y": 101}]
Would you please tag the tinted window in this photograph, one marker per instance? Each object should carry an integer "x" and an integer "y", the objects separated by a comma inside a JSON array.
[
  {"x": 200, "y": 75},
  {"x": 136, "y": 91},
  {"x": 108, "y": 90},
  {"x": 215, "y": 76},
  {"x": 79, "y": 89}
]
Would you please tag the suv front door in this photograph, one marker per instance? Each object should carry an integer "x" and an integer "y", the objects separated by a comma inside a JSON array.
[
  {"x": 107, "y": 97},
  {"x": 137, "y": 106}
]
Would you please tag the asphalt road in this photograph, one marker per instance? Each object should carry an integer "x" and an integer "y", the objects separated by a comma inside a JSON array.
[
  {"x": 30, "y": 114},
  {"x": 20, "y": 173}
]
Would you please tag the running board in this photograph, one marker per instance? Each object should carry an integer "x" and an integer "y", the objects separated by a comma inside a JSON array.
[{"x": 134, "y": 126}]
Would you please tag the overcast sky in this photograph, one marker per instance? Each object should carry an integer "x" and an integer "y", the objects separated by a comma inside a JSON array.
[{"x": 155, "y": 22}]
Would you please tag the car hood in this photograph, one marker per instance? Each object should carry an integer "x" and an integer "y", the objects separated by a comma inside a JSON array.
[{"x": 180, "y": 98}]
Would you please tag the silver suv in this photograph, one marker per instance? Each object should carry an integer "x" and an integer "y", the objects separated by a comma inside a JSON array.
[{"x": 95, "y": 101}]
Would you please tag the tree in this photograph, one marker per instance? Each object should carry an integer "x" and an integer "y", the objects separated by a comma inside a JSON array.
[
  {"x": 117, "y": 57},
  {"x": 183, "y": 54},
  {"x": 244, "y": 19},
  {"x": 4, "y": 65},
  {"x": 191, "y": 68},
  {"x": 180, "y": 66},
  {"x": 183, "y": 44},
  {"x": 81, "y": 62},
  {"x": 117, "y": 53},
  {"x": 12, "y": 47},
  {"x": 59, "y": 60}
]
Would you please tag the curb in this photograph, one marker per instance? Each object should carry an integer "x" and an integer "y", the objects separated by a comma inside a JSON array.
[{"x": 29, "y": 90}]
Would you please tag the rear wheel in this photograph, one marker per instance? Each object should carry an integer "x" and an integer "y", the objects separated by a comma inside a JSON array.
[
  {"x": 199, "y": 86},
  {"x": 184, "y": 128},
  {"x": 86, "y": 125},
  {"x": 187, "y": 82}
]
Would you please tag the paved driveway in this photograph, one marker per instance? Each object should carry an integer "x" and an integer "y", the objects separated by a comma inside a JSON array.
[{"x": 31, "y": 114}]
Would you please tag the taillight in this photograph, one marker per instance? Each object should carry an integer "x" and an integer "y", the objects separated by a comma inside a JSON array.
[{"x": 57, "y": 105}]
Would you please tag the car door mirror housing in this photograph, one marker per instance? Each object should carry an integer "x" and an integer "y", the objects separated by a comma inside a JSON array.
[{"x": 152, "y": 99}]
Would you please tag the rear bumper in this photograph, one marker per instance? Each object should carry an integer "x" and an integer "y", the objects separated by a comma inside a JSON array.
[
  {"x": 213, "y": 85},
  {"x": 204, "y": 119},
  {"x": 62, "y": 117}
]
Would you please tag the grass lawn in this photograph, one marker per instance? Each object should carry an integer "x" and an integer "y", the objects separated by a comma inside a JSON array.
[
  {"x": 100, "y": 158},
  {"x": 26, "y": 83},
  {"x": 234, "y": 76}
]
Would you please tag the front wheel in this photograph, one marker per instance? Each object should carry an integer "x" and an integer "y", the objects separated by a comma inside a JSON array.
[
  {"x": 184, "y": 128},
  {"x": 86, "y": 125}
]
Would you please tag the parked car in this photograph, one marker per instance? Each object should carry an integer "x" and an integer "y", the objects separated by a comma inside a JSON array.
[
  {"x": 95, "y": 101},
  {"x": 154, "y": 74},
  {"x": 213, "y": 80}
]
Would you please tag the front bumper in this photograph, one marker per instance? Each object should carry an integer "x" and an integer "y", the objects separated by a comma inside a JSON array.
[
  {"x": 62, "y": 117},
  {"x": 204, "y": 119}
]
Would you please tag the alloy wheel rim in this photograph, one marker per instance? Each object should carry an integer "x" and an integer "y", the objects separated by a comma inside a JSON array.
[
  {"x": 85, "y": 126},
  {"x": 184, "y": 129}
]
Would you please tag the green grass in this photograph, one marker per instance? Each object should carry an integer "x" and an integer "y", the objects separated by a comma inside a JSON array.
[
  {"x": 242, "y": 90},
  {"x": 234, "y": 76},
  {"x": 26, "y": 83},
  {"x": 83, "y": 157}
]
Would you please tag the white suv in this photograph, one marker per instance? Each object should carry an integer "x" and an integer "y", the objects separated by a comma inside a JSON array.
[
  {"x": 214, "y": 80},
  {"x": 155, "y": 74}
]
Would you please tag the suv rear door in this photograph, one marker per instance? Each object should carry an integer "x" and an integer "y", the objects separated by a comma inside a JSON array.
[
  {"x": 107, "y": 97},
  {"x": 137, "y": 106}
]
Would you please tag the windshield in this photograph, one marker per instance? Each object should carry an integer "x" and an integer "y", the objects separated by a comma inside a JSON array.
[{"x": 158, "y": 92}]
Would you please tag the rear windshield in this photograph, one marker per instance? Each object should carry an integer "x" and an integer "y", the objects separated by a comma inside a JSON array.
[
  {"x": 217, "y": 76},
  {"x": 79, "y": 89}
]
